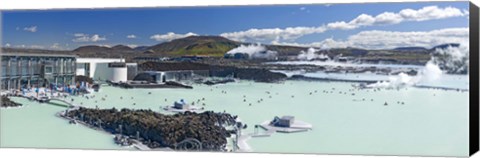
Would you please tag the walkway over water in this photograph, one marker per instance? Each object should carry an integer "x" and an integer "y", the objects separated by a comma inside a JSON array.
[
  {"x": 69, "y": 104},
  {"x": 242, "y": 139},
  {"x": 48, "y": 100},
  {"x": 139, "y": 145},
  {"x": 298, "y": 126}
]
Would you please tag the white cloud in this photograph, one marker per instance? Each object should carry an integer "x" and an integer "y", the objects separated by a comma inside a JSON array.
[
  {"x": 467, "y": 13},
  {"x": 79, "y": 34},
  {"x": 276, "y": 35},
  {"x": 430, "y": 12},
  {"x": 132, "y": 45},
  {"x": 131, "y": 36},
  {"x": 29, "y": 46},
  {"x": 376, "y": 39},
  {"x": 387, "y": 18},
  {"x": 30, "y": 29},
  {"x": 96, "y": 38},
  {"x": 170, "y": 36},
  {"x": 55, "y": 46},
  {"x": 105, "y": 45},
  {"x": 303, "y": 9},
  {"x": 80, "y": 37},
  {"x": 36, "y": 47},
  {"x": 340, "y": 25},
  {"x": 7, "y": 45}
]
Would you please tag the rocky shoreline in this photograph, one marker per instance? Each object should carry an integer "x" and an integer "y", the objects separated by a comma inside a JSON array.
[
  {"x": 341, "y": 69},
  {"x": 157, "y": 130},
  {"x": 145, "y": 84},
  {"x": 256, "y": 74},
  {"x": 259, "y": 71},
  {"x": 305, "y": 78},
  {"x": 6, "y": 103},
  {"x": 215, "y": 82}
]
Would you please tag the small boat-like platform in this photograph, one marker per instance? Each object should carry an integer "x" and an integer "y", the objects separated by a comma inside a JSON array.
[
  {"x": 182, "y": 106},
  {"x": 191, "y": 109},
  {"x": 299, "y": 127},
  {"x": 286, "y": 124}
]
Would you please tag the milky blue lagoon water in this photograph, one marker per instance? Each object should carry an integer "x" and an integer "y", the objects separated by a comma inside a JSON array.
[
  {"x": 431, "y": 121},
  {"x": 444, "y": 81}
]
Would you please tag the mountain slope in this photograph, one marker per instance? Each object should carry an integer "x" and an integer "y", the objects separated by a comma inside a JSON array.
[
  {"x": 217, "y": 46},
  {"x": 195, "y": 45},
  {"x": 102, "y": 51},
  {"x": 121, "y": 48},
  {"x": 92, "y": 48}
]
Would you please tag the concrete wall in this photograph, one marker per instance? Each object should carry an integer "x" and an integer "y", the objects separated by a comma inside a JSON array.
[
  {"x": 132, "y": 70},
  {"x": 184, "y": 75},
  {"x": 118, "y": 74},
  {"x": 114, "y": 74}
]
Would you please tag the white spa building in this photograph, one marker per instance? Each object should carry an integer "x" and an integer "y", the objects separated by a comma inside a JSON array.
[
  {"x": 106, "y": 69},
  {"x": 20, "y": 69}
]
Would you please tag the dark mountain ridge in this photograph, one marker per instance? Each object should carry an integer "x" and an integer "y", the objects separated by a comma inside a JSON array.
[{"x": 217, "y": 46}]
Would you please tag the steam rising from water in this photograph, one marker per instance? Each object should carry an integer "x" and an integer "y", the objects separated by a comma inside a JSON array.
[
  {"x": 454, "y": 59},
  {"x": 451, "y": 59},
  {"x": 430, "y": 73},
  {"x": 254, "y": 51},
  {"x": 310, "y": 54},
  {"x": 400, "y": 80}
]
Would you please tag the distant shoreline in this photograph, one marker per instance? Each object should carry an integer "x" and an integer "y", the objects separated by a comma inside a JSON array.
[{"x": 306, "y": 78}]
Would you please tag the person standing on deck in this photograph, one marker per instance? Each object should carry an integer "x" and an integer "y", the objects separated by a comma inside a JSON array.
[
  {"x": 51, "y": 89},
  {"x": 36, "y": 91}
]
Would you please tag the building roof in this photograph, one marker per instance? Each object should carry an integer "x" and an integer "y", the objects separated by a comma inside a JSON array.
[
  {"x": 38, "y": 55},
  {"x": 99, "y": 60}
]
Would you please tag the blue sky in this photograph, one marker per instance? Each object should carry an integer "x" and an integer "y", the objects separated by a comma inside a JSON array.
[{"x": 68, "y": 29}]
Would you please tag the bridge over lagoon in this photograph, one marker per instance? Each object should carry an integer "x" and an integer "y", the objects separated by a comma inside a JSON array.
[
  {"x": 57, "y": 100},
  {"x": 241, "y": 140}
]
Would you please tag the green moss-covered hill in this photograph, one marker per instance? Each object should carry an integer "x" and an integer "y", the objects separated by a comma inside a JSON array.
[{"x": 195, "y": 45}]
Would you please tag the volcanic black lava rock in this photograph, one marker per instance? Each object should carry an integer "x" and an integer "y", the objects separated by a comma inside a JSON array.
[
  {"x": 6, "y": 102},
  {"x": 255, "y": 74},
  {"x": 160, "y": 130}
]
